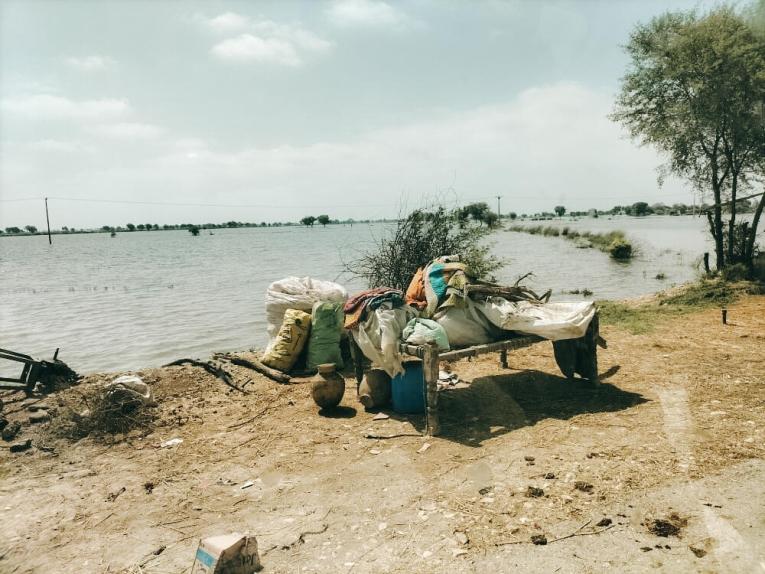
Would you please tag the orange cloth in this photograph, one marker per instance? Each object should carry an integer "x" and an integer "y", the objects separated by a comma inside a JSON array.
[{"x": 415, "y": 293}]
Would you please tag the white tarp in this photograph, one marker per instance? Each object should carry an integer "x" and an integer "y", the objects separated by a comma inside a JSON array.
[
  {"x": 378, "y": 336},
  {"x": 297, "y": 293},
  {"x": 553, "y": 321}
]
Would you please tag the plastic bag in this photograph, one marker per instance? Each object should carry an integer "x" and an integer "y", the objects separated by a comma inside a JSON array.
[
  {"x": 326, "y": 330},
  {"x": 290, "y": 340},
  {"x": 378, "y": 336},
  {"x": 422, "y": 331},
  {"x": 553, "y": 321},
  {"x": 297, "y": 293},
  {"x": 133, "y": 387},
  {"x": 465, "y": 326}
]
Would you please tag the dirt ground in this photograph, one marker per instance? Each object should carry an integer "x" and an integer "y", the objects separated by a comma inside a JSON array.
[{"x": 675, "y": 432}]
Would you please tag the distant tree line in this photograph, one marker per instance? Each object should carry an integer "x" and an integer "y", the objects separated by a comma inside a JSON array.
[{"x": 479, "y": 213}]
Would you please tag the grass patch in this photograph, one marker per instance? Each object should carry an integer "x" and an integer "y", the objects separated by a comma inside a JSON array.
[
  {"x": 641, "y": 319},
  {"x": 614, "y": 243}
]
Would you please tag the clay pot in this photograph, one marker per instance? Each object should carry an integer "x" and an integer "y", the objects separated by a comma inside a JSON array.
[
  {"x": 328, "y": 386},
  {"x": 374, "y": 390}
]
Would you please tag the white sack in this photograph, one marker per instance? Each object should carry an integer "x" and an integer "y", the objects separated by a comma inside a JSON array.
[
  {"x": 553, "y": 321},
  {"x": 465, "y": 326},
  {"x": 297, "y": 293},
  {"x": 133, "y": 386},
  {"x": 378, "y": 336}
]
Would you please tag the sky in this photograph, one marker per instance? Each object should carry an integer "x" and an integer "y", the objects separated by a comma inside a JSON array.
[{"x": 169, "y": 112}]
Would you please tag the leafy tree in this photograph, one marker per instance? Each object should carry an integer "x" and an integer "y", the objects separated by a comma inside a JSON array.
[
  {"x": 513, "y": 215},
  {"x": 695, "y": 90},
  {"x": 560, "y": 210},
  {"x": 419, "y": 238},
  {"x": 12, "y": 230},
  {"x": 1, "y": 231},
  {"x": 130, "y": 227},
  {"x": 194, "y": 230},
  {"x": 323, "y": 219},
  {"x": 105, "y": 228},
  {"x": 640, "y": 208},
  {"x": 30, "y": 228},
  {"x": 308, "y": 220},
  {"x": 476, "y": 211},
  {"x": 490, "y": 218},
  {"x": 148, "y": 227}
]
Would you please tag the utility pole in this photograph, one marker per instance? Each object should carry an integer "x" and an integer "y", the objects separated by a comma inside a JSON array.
[
  {"x": 47, "y": 219},
  {"x": 499, "y": 214}
]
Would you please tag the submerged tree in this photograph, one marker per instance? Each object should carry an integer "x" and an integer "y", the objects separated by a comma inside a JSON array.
[
  {"x": 419, "y": 238},
  {"x": 695, "y": 90},
  {"x": 194, "y": 230}
]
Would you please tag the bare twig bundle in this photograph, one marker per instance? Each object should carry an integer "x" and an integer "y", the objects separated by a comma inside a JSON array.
[{"x": 101, "y": 412}]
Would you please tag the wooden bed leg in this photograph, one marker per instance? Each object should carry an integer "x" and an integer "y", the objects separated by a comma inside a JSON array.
[
  {"x": 430, "y": 365},
  {"x": 358, "y": 360},
  {"x": 503, "y": 358}
]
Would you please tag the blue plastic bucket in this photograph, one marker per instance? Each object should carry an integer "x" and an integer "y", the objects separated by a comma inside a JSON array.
[{"x": 408, "y": 389}]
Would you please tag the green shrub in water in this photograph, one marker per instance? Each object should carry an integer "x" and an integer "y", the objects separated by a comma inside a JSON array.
[{"x": 620, "y": 249}]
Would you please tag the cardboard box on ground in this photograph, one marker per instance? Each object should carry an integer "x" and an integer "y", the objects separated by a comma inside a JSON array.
[{"x": 227, "y": 554}]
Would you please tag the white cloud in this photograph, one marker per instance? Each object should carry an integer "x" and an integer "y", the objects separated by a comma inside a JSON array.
[
  {"x": 296, "y": 35},
  {"x": 228, "y": 22},
  {"x": 264, "y": 41},
  {"x": 249, "y": 48},
  {"x": 50, "y": 107},
  {"x": 365, "y": 13},
  {"x": 127, "y": 131},
  {"x": 57, "y": 146},
  {"x": 505, "y": 149},
  {"x": 549, "y": 145},
  {"x": 89, "y": 63}
]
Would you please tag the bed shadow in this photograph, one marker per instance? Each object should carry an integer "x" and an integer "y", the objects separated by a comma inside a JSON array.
[{"x": 498, "y": 404}]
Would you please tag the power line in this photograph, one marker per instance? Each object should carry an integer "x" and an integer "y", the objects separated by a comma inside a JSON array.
[{"x": 180, "y": 204}]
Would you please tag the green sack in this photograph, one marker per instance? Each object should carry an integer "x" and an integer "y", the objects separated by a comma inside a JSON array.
[{"x": 327, "y": 328}]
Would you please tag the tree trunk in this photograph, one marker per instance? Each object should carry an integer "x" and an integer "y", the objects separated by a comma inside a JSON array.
[
  {"x": 717, "y": 225},
  {"x": 751, "y": 239},
  {"x": 732, "y": 222}
]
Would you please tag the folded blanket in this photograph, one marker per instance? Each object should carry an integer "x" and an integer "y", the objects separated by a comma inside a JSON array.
[
  {"x": 415, "y": 293},
  {"x": 439, "y": 276},
  {"x": 355, "y": 308}
]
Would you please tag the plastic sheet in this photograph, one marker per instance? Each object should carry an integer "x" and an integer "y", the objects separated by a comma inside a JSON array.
[
  {"x": 379, "y": 334},
  {"x": 553, "y": 321},
  {"x": 465, "y": 326}
]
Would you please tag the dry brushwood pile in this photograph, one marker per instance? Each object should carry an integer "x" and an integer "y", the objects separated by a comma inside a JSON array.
[{"x": 660, "y": 468}]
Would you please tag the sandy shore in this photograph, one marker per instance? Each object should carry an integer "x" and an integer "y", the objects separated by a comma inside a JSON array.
[{"x": 676, "y": 431}]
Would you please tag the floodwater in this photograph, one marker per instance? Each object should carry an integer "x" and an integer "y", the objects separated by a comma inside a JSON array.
[{"x": 145, "y": 298}]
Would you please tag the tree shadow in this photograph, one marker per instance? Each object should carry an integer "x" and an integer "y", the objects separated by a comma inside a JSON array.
[{"x": 494, "y": 405}]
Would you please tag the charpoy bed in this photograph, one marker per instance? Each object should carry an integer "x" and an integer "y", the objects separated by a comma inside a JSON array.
[{"x": 573, "y": 356}]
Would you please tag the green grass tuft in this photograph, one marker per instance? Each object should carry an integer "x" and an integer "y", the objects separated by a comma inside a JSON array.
[{"x": 641, "y": 319}]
